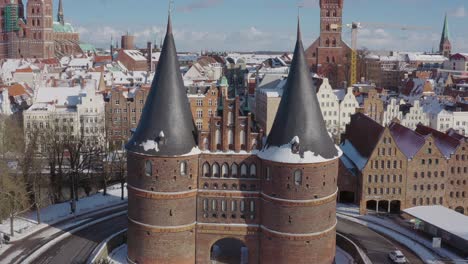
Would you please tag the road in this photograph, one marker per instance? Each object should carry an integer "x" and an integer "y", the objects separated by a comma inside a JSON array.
[
  {"x": 77, "y": 248},
  {"x": 21, "y": 249},
  {"x": 375, "y": 245}
]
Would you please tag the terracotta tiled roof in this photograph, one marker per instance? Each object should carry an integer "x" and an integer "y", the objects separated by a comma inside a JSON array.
[
  {"x": 27, "y": 69},
  {"x": 446, "y": 144},
  {"x": 17, "y": 90},
  {"x": 364, "y": 133}
]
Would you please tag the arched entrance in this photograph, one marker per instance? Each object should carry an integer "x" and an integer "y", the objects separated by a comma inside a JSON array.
[
  {"x": 371, "y": 205},
  {"x": 346, "y": 197},
  {"x": 395, "y": 207},
  {"x": 229, "y": 251},
  {"x": 383, "y": 206},
  {"x": 460, "y": 209}
]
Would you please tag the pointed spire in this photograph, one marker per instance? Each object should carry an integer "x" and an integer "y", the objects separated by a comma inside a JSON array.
[
  {"x": 60, "y": 15},
  {"x": 166, "y": 126},
  {"x": 446, "y": 32},
  {"x": 299, "y": 116}
]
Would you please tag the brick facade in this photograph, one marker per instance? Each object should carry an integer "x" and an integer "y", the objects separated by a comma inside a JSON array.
[{"x": 329, "y": 55}]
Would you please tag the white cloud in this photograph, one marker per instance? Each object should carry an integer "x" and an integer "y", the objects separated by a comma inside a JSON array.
[{"x": 459, "y": 12}]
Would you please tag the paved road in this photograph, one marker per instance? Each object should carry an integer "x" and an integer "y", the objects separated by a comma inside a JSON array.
[
  {"x": 22, "y": 248},
  {"x": 77, "y": 248},
  {"x": 375, "y": 245}
]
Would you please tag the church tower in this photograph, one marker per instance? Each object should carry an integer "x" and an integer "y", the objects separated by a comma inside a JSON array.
[
  {"x": 60, "y": 15},
  {"x": 329, "y": 56},
  {"x": 445, "y": 47},
  {"x": 299, "y": 185},
  {"x": 163, "y": 170},
  {"x": 40, "y": 23}
]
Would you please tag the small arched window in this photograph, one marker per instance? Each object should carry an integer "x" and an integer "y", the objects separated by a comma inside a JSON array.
[
  {"x": 234, "y": 170},
  {"x": 253, "y": 171},
  {"x": 206, "y": 170},
  {"x": 149, "y": 168},
  {"x": 298, "y": 177},
  {"x": 215, "y": 170},
  {"x": 243, "y": 170},
  {"x": 183, "y": 168},
  {"x": 225, "y": 170}
]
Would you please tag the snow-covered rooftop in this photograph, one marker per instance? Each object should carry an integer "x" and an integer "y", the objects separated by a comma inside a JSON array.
[{"x": 443, "y": 218}]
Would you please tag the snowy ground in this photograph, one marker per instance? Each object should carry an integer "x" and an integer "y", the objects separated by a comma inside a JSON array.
[
  {"x": 119, "y": 256},
  {"x": 26, "y": 224},
  {"x": 342, "y": 257},
  {"x": 419, "y": 244}
]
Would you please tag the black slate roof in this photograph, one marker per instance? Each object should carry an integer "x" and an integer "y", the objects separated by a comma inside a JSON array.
[
  {"x": 166, "y": 117},
  {"x": 299, "y": 112}
]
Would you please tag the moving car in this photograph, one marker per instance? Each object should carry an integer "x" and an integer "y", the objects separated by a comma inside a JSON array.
[{"x": 397, "y": 256}]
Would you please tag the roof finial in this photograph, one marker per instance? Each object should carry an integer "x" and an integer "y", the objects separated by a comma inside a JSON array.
[
  {"x": 170, "y": 11},
  {"x": 299, "y": 35}
]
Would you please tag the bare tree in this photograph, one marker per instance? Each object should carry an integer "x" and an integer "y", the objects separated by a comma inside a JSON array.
[{"x": 13, "y": 196}]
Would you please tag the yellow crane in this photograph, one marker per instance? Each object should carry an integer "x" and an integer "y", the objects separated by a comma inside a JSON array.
[{"x": 355, "y": 26}]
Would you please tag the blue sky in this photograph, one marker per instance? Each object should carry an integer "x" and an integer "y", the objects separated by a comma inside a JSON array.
[{"x": 249, "y": 25}]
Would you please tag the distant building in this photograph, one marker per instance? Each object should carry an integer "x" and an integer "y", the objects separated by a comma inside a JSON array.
[
  {"x": 399, "y": 168},
  {"x": 329, "y": 55},
  {"x": 37, "y": 35},
  {"x": 458, "y": 62},
  {"x": 133, "y": 60},
  {"x": 69, "y": 111},
  {"x": 123, "y": 111},
  {"x": 203, "y": 104},
  {"x": 128, "y": 42}
]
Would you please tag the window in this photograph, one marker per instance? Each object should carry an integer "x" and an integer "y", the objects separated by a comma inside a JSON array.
[
  {"x": 205, "y": 204},
  {"x": 267, "y": 174},
  {"x": 206, "y": 170},
  {"x": 149, "y": 168},
  {"x": 234, "y": 169},
  {"x": 253, "y": 171},
  {"x": 233, "y": 206},
  {"x": 298, "y": 177},
  {"x": 183, "y": 168},
  {"x": 223, "y": 206},
  {"x": 215, "y": 170},
  {"x": 243, "y": 170},
  {"x": 214, "y": 205},
  {"x": 224, "y": 170},
  {"x": 242, "y": 206}
]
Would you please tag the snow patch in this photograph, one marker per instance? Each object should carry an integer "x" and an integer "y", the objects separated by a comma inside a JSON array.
[
  {"x": 119, "y": 255},
  {"x": 284, "y": 154},
  {"x": 150, "y": 145}
]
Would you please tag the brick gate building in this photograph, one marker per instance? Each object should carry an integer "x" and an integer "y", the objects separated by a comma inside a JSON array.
[{"x": 218, "y": 194}]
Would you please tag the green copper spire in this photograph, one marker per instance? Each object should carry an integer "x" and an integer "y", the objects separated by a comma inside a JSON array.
[{"x": 446, "y": 32}]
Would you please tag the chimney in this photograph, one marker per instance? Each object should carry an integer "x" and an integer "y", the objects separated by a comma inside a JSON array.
[{"x": 149, "y": 56}]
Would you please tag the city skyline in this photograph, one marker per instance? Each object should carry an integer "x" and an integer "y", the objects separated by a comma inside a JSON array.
[{"x": 256, "y": 28}]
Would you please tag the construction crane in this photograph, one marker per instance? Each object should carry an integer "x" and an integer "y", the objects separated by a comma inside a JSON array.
[{"x": 355, "y": 26}]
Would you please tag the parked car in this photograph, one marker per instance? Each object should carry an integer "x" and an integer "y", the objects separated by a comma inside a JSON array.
[{"x": 397, "y": 256}]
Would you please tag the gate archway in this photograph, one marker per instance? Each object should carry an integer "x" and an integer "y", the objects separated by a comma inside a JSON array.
[
  {"x": 460, "y": 209},
  {"x": 229, "y": 251}
]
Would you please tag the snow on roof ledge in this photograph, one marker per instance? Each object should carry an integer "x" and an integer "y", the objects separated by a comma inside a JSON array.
[
  {"x": 284, "y": 154},
  {"x": 443, "y": 218}
]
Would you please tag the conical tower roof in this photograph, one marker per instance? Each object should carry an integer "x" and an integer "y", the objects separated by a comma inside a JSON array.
[
  {"x": 445, "y": 31},
  {"x": 299, "y": 134},
  {"x": 166, "y": 126}
]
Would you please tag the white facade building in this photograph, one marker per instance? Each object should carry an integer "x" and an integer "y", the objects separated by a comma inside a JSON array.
[
  {"x": 330, "y": 106},
  {"x": 76, "y": 111},
  {"x": 392, "y": 112},
  {"x": 415, "y": 116},
  {"x": 348, "y": 107}
]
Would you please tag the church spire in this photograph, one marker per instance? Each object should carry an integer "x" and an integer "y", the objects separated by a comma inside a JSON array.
[
  {"x": 60, "y": 16},
  {"x": 166, "y": 127},
  {"x": 299, "y": 121},
  {"x": 445, "y": 47}
]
